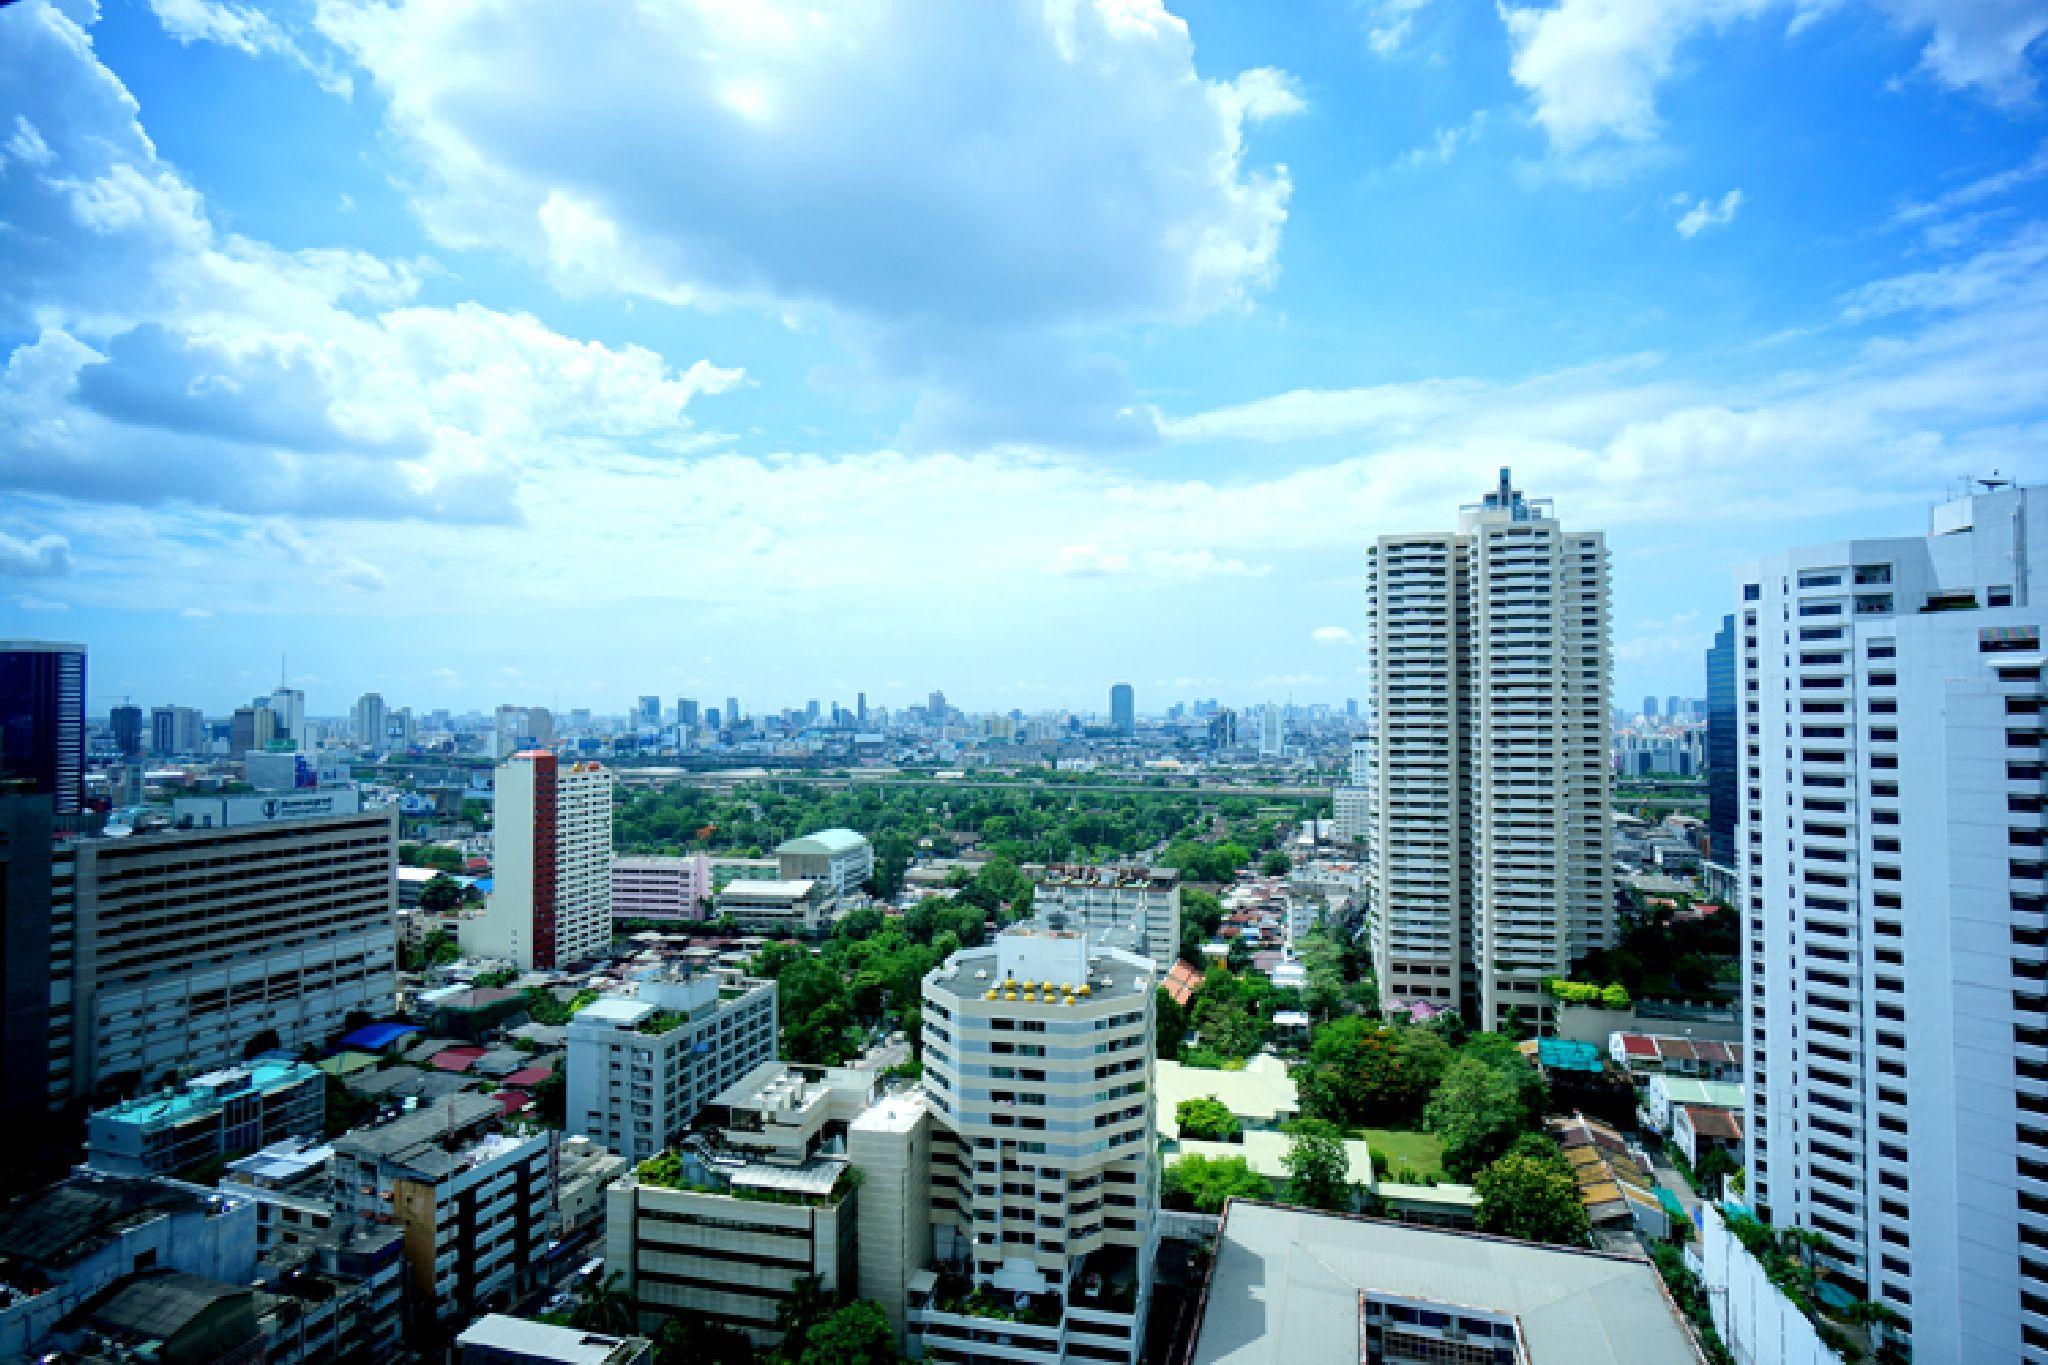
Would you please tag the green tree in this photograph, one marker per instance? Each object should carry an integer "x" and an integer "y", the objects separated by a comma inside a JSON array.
[
  {"x": 1205, "y": 1184},
  {"x": 1318, "y": 1168},
  {"x": 1206, "y": 1119},
  {"x": 1477, "y": 1112},
  {"x": 441, "y": 894},
  {"x": 1529, "y": 1193},
  {"x": 857, "y": 1334}
]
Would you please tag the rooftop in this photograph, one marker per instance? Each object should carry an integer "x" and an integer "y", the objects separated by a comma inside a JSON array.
[{"x": 1287, "y": 1285}]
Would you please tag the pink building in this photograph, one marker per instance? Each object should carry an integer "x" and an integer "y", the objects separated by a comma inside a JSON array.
[{"x": 651, "y": 887}]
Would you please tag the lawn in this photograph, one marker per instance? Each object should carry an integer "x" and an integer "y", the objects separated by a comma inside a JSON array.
[{"x": 1422, "y": 1153}]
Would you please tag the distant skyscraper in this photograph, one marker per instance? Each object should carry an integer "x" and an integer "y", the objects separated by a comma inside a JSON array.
[
  {"x": 372, "y": 721},
  {"x": 1722, "y": 725},
  {"x": 126, "y": 723},
  {"x": 42, "y": 720},
  {"x": 1123, "y": 709},
  {"x": 1649, "y": 708},
  {"x": 1890, "y": 843},
  {"x": 1487, "y": 655}
]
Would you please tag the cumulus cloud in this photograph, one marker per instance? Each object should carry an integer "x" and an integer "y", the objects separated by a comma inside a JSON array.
[
  {"x": 1592, "y": 68},
  {"x": 1697, "y": 215},
  {"x": 172, "y": 362},
  {"x": 965, "y": 194},
  {"x": 43, "y": 557}
]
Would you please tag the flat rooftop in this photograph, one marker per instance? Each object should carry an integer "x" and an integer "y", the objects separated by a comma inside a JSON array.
[{"x": 1287, "y": 1287}]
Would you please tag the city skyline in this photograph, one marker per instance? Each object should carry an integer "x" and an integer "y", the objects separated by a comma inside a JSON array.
[{"x": 384, "y": 407}]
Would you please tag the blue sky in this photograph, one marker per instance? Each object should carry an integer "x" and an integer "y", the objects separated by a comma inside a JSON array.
[{"x": 480, "y": 353}]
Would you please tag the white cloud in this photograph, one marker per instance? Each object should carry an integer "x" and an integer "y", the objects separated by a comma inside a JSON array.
[
  {"x": 1593, "y": 68},
  {"x": 1699, "y": 215},
  {"x": 44, "y": 557},
  {"x": 964, "y": 194},
  {"x": 1332, "y": 635}
]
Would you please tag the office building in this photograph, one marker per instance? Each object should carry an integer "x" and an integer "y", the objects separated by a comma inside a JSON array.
[
  {"x": 551, "y": 895},
  {"x": 42, "y": 720},
  {"x": 1123, "y": 709},
  {"x": 220, "y": 1114},
  {"x": 372, "y": 722},
  {"x": 172, "y": 953},
  {"x": 1487, "y": 658},
  {"x": 252, "y": 728},
  {"x": 763, "y": 1196},
  {"x": 124, "y": 722},
  {"x": 473, "y": 1197},
  {"x": 1291, "y": 1286},
  {"x": 176, "y": 730},
  {"x": 1136, "y": 909},
  {"x": 654, "y": 886},
  {"x": 1890, "y": 833},
  {"x": 1044, "y": 1181},
  {"x": 641, "y": 1066},
  {"x": 839, "y": 858}
]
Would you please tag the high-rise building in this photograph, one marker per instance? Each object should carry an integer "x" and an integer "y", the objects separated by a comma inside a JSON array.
[
  {"x": 1890, "y": 839},
  {"x": 42, "y": 720},
  {"x": 1123, "y": 709},
  {"x": 125, "y": 721},
  {"x": 551, "y": 894},
  {"x": 1722, "y": 746},
  {"x": 640, "y": 1066},
  {"x": 1044, "y": 1182},
  {"x": 372, "y": 721},
  {"x": 1487, "y": 658},
  {"x": 251, "y": 729},
  {"x": 174, "y": 953}
]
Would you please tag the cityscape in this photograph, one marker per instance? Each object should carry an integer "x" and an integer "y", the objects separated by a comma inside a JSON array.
[{"x": 742, "y": 684}]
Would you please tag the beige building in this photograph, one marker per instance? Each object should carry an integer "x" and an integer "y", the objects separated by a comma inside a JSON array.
[{"x": 1487, "y": 774}]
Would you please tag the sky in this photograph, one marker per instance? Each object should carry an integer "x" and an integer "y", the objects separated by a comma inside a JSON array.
[{"x": 477, "y": 352}]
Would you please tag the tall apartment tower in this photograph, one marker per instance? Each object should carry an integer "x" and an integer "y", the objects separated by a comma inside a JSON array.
[
  {"x": 42, "y": 720},
  {"x": 1487, "y": 778},
  {"x": 551, "y": 894},
  {"x": 1895, "y": 916},
  {"x": 1044, "y": 1187},
  {"x": 1123, "y": 709}
]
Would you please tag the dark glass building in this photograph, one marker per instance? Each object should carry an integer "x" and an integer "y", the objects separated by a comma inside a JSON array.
[
  {"x": 1722, "y": 721},
  {"x": 42, "y": 721}
]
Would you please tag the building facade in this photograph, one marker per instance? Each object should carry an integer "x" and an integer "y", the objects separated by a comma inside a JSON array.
[
  {"x": 1487, "y": 658},
  {"x": 42, "y": 720},
  {"x": 1890, "y": 833},
  {"x": 641, "y": 1066},
  {"x": 551, "y": 895},
  {"x": 173, "y": 952}
]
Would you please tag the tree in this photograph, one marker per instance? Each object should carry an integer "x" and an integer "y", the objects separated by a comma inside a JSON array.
[
  {"x": 1318, "y": 1167},
  {"x": 857, "y": 1334},
  {"x": 1206, "y": 1119},
  {"x": 1530, "y": 1193},
  {"x": 1476, "y": 1111},
  {"x": 1205, "y": 1184},
  {"x": 441, "y": 894}
]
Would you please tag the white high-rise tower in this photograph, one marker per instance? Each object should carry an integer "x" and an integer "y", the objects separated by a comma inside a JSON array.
[
  {"x": 1487, "y": 774},
  {"x": 1889, "y": 837}
]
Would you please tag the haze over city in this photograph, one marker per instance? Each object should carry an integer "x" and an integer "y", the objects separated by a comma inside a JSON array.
[{"x": 788, "y": 353}]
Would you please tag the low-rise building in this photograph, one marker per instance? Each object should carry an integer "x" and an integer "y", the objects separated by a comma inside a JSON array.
[
  {"x": 778, "y": 908},
  {"x": 641, "y": 1066},
  {"x": 220, "y": 1114},
  {"x": 723, "y": 1228}
]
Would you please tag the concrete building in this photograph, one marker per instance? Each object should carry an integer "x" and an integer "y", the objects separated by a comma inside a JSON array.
[
  {"x": 42, "y": 720},
  {"x": 220, "y": 1114},
  {"x": 648, "y": 886},
  {"x": 1487, "y": 659},
  {"x": 551, "y": 895},
  {"x": 1044, "y": 1185},
  {"x": 1293, "y": 1286},
  {"x": 172, "y": 952},
  {"x": 1890, "y": 830},
  {"x": 839, "y": 858},
  {"x": 722, "y": 1228},
  {"x": 1121, "y": 907},
  {"x": 473, "y": 1199},
  {"x": 1123, "y": 709},
  {"x": 641, "y": 1066},
  {"x": 778, "y": 908}
]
